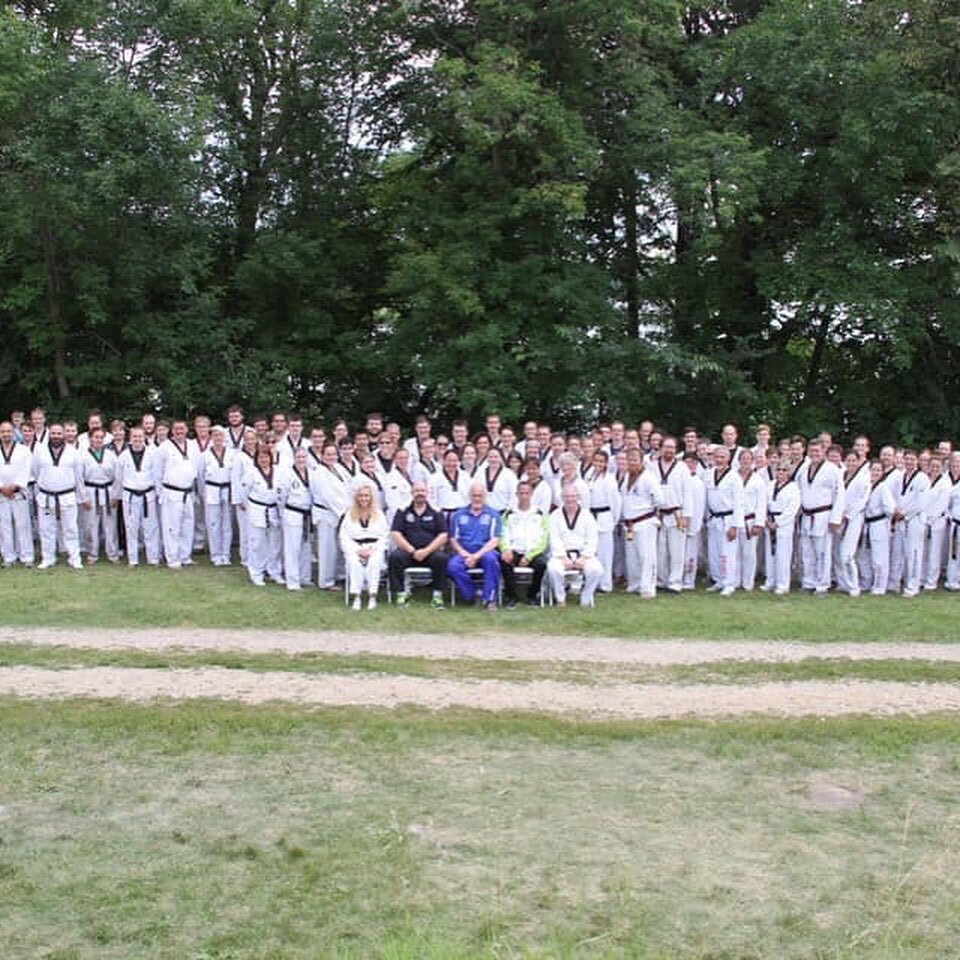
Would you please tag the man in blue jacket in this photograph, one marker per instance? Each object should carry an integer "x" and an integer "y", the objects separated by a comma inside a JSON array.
[{"x": 474, "y": 538}]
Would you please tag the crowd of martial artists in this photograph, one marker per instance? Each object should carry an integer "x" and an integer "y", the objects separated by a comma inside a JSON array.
[{"x": 492, "y": 510}]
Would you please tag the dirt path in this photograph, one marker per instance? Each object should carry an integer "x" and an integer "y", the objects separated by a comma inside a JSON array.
[
  {"x": 608, "y": 700},
  {"x": 603, "y": 701},
  {"x": 516, "y": 648}
]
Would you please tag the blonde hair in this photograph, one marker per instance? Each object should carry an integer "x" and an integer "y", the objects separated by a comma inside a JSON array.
[{"x": 354, "y": 510}]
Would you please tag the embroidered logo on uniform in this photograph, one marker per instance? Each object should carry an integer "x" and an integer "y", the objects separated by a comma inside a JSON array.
[{"x": 411, "y": 518}]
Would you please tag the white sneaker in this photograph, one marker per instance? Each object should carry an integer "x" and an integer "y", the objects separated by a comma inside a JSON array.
[
  {"x": 257, "y": 581},
  {"x": 909, "y": 594},
  {"x": 46, "y": 564},
  {"x": 855, "y": 593},
  {"x": 727, "y": 592},
  {"x": 293, "y": 586},
  {"x": 765, "y": 588},
  {"x": 372, "y": 603},
  {"x": 75, "y": 565},
  {"x": 356, "y": 603},
  {"x": 781, "y": 591}
]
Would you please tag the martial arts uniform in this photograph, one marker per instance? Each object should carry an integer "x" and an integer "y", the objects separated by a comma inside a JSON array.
[
  {"x": 58, "y": 474},
  {"x": 177, "y": 475},
  {"x": 97, "y": 488},
  {"x": 501, "y": 488},
  {"x": 574, "y": 539},
  {"x": 137, "y": 483},
  {"x": 16, "y": 533},
  {"x": 243, "y": 463},
  {"x": 856, "y": 492},
  {"x": 296, "y": 503},
  {"x": 952, "y": 581},
  {"x": 198, "y": 452},
  {"x": 675, "y": 502},
  {"x": 754, "y": 515},
  {"x": 875, "y": 551},
  {"x": 355, "y": 535},
  {"x": 215, "y": 481},
  {"x": 331, "y": 497},
  {"x": 264, "y": 546},
  {"x": 640, "y": 501},
  {"x": 697, "y": 492},
  {"x": 605, "y": 505},
  {"x": 935, "y": 511},
  {"x": 724, "y": 512},
  {"x": 821, "y": 504},
  {"x": 783, "y": 506},
  {"x": 906, "y": 555}
]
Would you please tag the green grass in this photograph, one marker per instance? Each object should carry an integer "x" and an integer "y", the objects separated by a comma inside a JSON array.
[
  {"x": 734, "y": 671},
  {"x": 205, "y": 830},
  {"x": 204, "y": 596}
]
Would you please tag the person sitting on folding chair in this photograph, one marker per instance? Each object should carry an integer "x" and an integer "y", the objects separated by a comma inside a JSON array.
[
  {"x": 573, "y": 548},
  {"x": 524, "y": 544},
  {"x": 419, "y": 535}
]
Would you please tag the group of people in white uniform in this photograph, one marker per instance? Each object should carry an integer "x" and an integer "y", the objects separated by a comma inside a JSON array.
[{"x": 617, "y": 504}]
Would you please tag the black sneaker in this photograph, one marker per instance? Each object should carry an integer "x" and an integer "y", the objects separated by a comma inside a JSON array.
[{"x": 509, "y": 604}]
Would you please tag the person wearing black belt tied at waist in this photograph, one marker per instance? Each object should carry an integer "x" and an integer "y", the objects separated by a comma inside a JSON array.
[
  {"x": 330, "y": 488},
  {"x": 605, "y": 507},
  {"x": 57, "y": 469},
  {"x": 296, "y": 503},
  {"x": 821, "y": 507},
  {"x": 782, "y": 507},
  {"x": 16, "y": 533},
  {"x": 640, "y": 501},
  {"x": 952, "y": 579},
  {"x": 675, "y": 512},
  {"x": 754, "y": 520},
  {"x": 99, "y": 497},
  {"x": 136, "y": 480},
  {"x": 215, "y": 471},
  {"x": 260, "y": 505},
  {"x": 875, "y": 548},
  {"x": 724, "y": 520},
  {"x": 177, "y": 475}
]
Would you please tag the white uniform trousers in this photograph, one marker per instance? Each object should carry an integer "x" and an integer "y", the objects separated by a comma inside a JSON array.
[
  {"x": 177, "y": 520},
  {"x": 640, "y": 554},
  {"x": 243, "y": 532},
  {"x": 778, "y": 557},
  {"x": 619, "y": 564},
  {"x": 934, "y": 554},
  {"x": 721, "y": 555},
  {"x": 605, "y": 556},
  {"x": 297, "y": 551},
  {"x": 264, "y": 553},
  {"x": 952, "y": 581},
  {"x": 898, "y": 547},
  {"x": 845, "y": 555},
  {"x": 94, "y": 520},
  {"x": 691, "y": 559},
  {"x": 16, "y": 532},
  {"x": 816, "y": 560},
  {"x": 216, "y": 517},
  {"x": 328, "y": 553},
  {"x": 142, "y": 522},
  {"x": 747, "y": 548},
  {"x": 201, "y": 532},
  {"x": 53, "y": 531},
  {"x": 362, "y": 576},
  {"x": 671, "y": 543},
  {"x": 875, "y": 557},
  {"x": 592, "y": 572},
  {"x": 913, "y": 533}
]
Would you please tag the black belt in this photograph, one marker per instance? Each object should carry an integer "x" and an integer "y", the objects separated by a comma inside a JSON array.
[
  {"x": 641, "y": 518},
  {"x": 96, "y": 497},
  {"x": 597, "y": 510},
  {"x": 809, "y": 512},
  {"x": 716, "y": 515},
  {"x": 186, "y": 491},
  {"x": 56, "y": 494},
  {"x": 217, "y": 483},
  {"x": 307, "y": 515},
  {"x": 879, "y": 516},
  {"x": 143, "y": 495},
  {"x": 266, "y": 508},
  {"x": 365, "y": 540}
]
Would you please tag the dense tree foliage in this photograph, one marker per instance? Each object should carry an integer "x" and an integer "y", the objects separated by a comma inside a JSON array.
[{"x": 743, "y": 210}]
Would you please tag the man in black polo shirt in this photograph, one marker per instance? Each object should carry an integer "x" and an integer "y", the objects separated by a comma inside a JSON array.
[{"x": 419, "y": 535}]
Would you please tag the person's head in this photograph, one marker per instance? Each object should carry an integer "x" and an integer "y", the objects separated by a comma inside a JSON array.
[
  {"x": 361, "y": 444},
  {"x": 530, "y": 430},
  {"x": 478, "y": 496},
  {"x": 250, "y": 440},
  {"x": 16, "y": 419},
  {"x": 909, "y": 460},
  {"x": 935, "y": 467},
  {"x": 721, "y": 457},
  {"x": 729, "y": 435},
  {"x": 851, "y": 461},
  {"x": 617, "y": 429},
  {"x": 760, "y": 458},
  {"x": 646, "y": 428},
  {"x": 798, "y": 448},
  {"x": 763, "y": 435},
  {"x": 201, "y": 427},
  {"x": 278, "y": 423},
  {"x": 265, "y": 457},
  {"x": 571, "y": 501},
  {"x": 56, "y": 435},
  {"x": 6, "y": 433},
  {"x": 70, "y": 431},
  {"x": 300, "y": 458},
  {"x": 422, "y": 428},
  {"x": 515, "y": 462},
  {"x": 451, "y": 462},
  {"x": 234, "y": 415},
  {"x": 631, "y": 438},
  {"x": 492, "y": 424},
  {"x": 482, "y": 444},
  {"x": 368, "y": 464},
  {"x": 655, "y": 440},
  {"x": 428, "y": 448},
  {"x": 531, "y": 467},
  {"x": 442, "y": 446},
  {"x": 861, "y": 447},
  {"x": 888, "y": 457},
  {"x": 331, "y": 453},
  {"x": 118, "y": 431},
  {"x": 419, "y": 493},
  {"x": 558, "y": 445},
  {"x": 295, "y": 427},
  {"x": 340, "y": 430},
  {"x": 402, "y": 460},
  {"x": 459, "y": 432},
  {"x": 876, "y": 471},
  {"x": 568, "y": 465},
  {"x": 587, "y": 446},
  {"x": 532, "y": 449},
  {"x": 507, "y": 438},
  {"x": 374, "y": 423},
  {"x": 815, "y": 451},
  {"x": 468, "y": 456},
  {"x": 385, "y": 445},
  {"x": 26, "y": 429},
  {"x": 261, "y": 425},
  {"x": 524, "y": 493},
  {"x": 393, "y": 428},
  {"x": 835, "y": 454},
  {"x": 600, "y": 461},
  {"x": 96, "y": 438},
  {"x": 784, "y": 471},
  {"x": 693, "y": 463},
  {"x": 746, "y": 462},
  {"x": 346, "y": 448},
  {"x": 38, "y": 419},
  {"x": 544, "y": 433},
  {"x": 494, "y": 459},
  {"x": 137, "y": 439},
  {"x": 364, "y": 501},
  {"x": 94, "y": 420},
  {"x": 668, "y": 449},
  {"x": 218, "y": 437},
  {"x": 944, "y": 447},
  {"x": 634, "y": 459},
  {"x": 690, "y": 439},
  {"x": 955, "y": 463},
  {"x": 317, "y": 439},
  {"x": 179, "y": 430}
]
